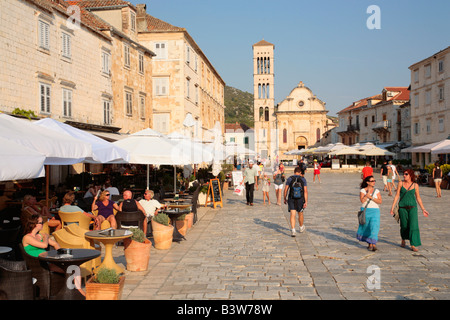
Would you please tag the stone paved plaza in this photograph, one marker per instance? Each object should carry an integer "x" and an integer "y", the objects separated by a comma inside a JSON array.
[{"x": 242, "y": 252}]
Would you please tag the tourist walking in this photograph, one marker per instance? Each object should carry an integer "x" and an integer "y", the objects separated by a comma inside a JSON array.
[
  {"x": 297, "y": 199},
  {"x": 250, "y": 178},
  {"x": 370, "y": 197},
  {"x": 317, "y": 167},
  {"x": 437, "y": 177},
  {"x": 394, "y": 174},
  {"x": 408, "y": 193},
  {"x": 384, "y": 172},
  {"x": 390, "y": 174},
  {"x": 265, "y": 187},
  {"x": 278, "y": 182},
  {"x": 366, "y": 171}
]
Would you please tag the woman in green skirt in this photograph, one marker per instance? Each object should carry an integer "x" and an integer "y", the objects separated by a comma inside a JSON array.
[{"x": 408, "y": 193}]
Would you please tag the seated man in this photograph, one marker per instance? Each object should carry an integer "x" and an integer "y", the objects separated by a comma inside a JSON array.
[
  {"x": 150, "y": 205},
  {"x": 131, "y": 205}
]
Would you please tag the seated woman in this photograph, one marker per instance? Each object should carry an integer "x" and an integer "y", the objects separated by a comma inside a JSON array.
[
  {"x": 33, "y": 241},
  {"x": 105, "y": 209},
  {"x": 32, "y": 207},
  {"x": 68, "y": 206}
]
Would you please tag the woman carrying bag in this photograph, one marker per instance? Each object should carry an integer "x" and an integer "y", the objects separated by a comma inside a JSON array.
[
  {"x": 408, "y": 193},
  {"x": 370, "y": 199}
]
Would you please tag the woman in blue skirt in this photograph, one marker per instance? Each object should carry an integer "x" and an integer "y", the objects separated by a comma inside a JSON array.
[{"x": 368, "y": 232}]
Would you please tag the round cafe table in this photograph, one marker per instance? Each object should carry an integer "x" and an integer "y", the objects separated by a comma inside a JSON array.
[
  {"x": 109, "y": 237},
  {"x": 76, "y": 257},
  {"x": 173, "y": 215}
]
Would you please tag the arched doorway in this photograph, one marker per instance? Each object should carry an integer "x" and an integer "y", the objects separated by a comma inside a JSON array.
[{"x": 301, "y": 142}]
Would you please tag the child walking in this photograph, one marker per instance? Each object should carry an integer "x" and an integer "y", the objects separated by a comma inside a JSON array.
[{"x": 265, "y": 188}]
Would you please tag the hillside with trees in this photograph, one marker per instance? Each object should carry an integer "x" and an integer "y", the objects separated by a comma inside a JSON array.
[{"x": 239, "y": 106}]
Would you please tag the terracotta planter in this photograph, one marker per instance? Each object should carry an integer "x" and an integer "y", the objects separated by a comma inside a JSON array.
[
  {"x": 182, "y": 226},
  {"x": 104, "y": 291},
  {"x": 137, "y": 254},
  {"x": 190, "y": 220},
  {"x": 162, "y": 235}
]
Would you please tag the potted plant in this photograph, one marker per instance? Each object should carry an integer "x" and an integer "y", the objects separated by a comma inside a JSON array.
[
  {"x": 203, "y": 194},
  {"x": 162, "y": 231},
  {"x": 182, "y": 224},
  {"x": 137, "y": 250},
  {"x": 107, "y": 284}
]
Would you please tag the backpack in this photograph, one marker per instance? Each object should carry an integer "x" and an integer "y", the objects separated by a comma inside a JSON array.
[{"x": 296, "y": 188}]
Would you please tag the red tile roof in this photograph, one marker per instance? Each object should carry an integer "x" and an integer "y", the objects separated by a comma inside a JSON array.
[
  {"x": 402, "y": 95},
  {"x": 361, "y": 103}
]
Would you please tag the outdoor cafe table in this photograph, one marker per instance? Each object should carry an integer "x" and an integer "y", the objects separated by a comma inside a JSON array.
[
  {"x": 109, "y": 237},
  {"x": 173, "y": 215},
  {"x": 76, "y": 257}
]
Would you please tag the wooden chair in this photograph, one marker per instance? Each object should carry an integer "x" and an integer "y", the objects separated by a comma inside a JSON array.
[
  {"x": 16, "y": 280},
  {"x": 78, "y": 218},
  {"x": 48, "y": 282}
]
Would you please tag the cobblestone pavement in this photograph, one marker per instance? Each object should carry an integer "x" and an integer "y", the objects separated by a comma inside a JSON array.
[{"x": 243, "y": 252}]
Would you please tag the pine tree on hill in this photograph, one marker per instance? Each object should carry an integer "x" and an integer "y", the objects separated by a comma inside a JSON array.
[{"x": 239, "y": 106}]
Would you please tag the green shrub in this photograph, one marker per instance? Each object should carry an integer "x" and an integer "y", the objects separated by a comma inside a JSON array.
[
  {"x": 138, "y": 235},
  {"x": 161, "y": 218},
  {"x": 105, "y": 275}
]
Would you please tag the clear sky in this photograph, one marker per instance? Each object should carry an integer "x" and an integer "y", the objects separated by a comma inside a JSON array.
[{"x": 324, "y": 43}]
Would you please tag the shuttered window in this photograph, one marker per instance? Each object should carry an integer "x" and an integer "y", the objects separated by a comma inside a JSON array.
[{"x": 44, "y": 35}]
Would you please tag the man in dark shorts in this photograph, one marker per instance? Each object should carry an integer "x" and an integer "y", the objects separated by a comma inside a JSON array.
[{"x": 297, "y": 198}]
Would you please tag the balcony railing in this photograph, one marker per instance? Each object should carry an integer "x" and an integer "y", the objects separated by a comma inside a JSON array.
[{"x": 385, "y": 124}]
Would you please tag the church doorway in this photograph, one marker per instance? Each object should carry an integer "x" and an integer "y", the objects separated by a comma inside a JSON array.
[{"x": 301, "y": 142}]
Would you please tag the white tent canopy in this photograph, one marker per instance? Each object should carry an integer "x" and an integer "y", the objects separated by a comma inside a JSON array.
[
  {"x": 102, "y": 150},
  {"x": 440, "y": 147},
  {"x": 58, "y": 149},
  {"x": 346, "y": 151},
  {"x": 19, "y": 162}
]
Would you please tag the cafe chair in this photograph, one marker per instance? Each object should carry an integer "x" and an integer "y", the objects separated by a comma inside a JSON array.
[
  {"x": 76, "y": 230},
  {"x": 105, "y": 224},
  {"x": 16, "y": 280},
  {"x": 126, "y": 220},
  {"x": 78, "y": 218},
  {"x": 48, "y": 283},
  {"x": 51, "y": 202},
  {"x": 68, "y": 240}
]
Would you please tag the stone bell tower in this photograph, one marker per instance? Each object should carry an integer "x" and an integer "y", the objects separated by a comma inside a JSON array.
[{"x": 264, "y": 100}]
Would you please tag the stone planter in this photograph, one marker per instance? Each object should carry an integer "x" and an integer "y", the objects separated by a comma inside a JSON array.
[
  {"x": 137, "y": 254},
  {"x": 162, "y": 235},
  {"x": 104, "y": 291}
]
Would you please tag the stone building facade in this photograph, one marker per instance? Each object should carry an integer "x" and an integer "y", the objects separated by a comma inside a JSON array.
[
  {"x": 45, "y": 65},
  {"x": 381, "y": 119},
  {"x": 188, "y": 92},
  {"x": 430, "y": 103}
]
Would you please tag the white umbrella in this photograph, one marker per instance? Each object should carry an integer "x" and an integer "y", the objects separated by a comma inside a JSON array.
[
  {"x": 58, "y": 149},
  {"x": 151, "y": 147},
  {"x": 232, "y": 149},
  {"x": 443, "y": 147},
  {"x": 102, "y": 150},
  {"x": 19, "y": 162},
  {"x": 346, "y": 151},
  {"x": 375, "y": 151},
  {"x": 191, "y": 149}
]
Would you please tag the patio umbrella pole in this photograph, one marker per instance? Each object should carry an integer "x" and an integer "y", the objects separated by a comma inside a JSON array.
[
  {"x": 174, "y": 180},
  {"x": 148, "y": 176},
  {"x": 47, "y": 181}
]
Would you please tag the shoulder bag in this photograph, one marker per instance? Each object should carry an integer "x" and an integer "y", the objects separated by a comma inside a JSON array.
[{"x": 362, "y": 213}]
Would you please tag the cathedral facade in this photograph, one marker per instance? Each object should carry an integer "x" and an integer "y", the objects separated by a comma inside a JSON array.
[{"x": 298, "y": 122}]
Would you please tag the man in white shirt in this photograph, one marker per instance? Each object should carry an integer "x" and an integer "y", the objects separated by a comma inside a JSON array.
[{"x": 150, "y": 205}]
